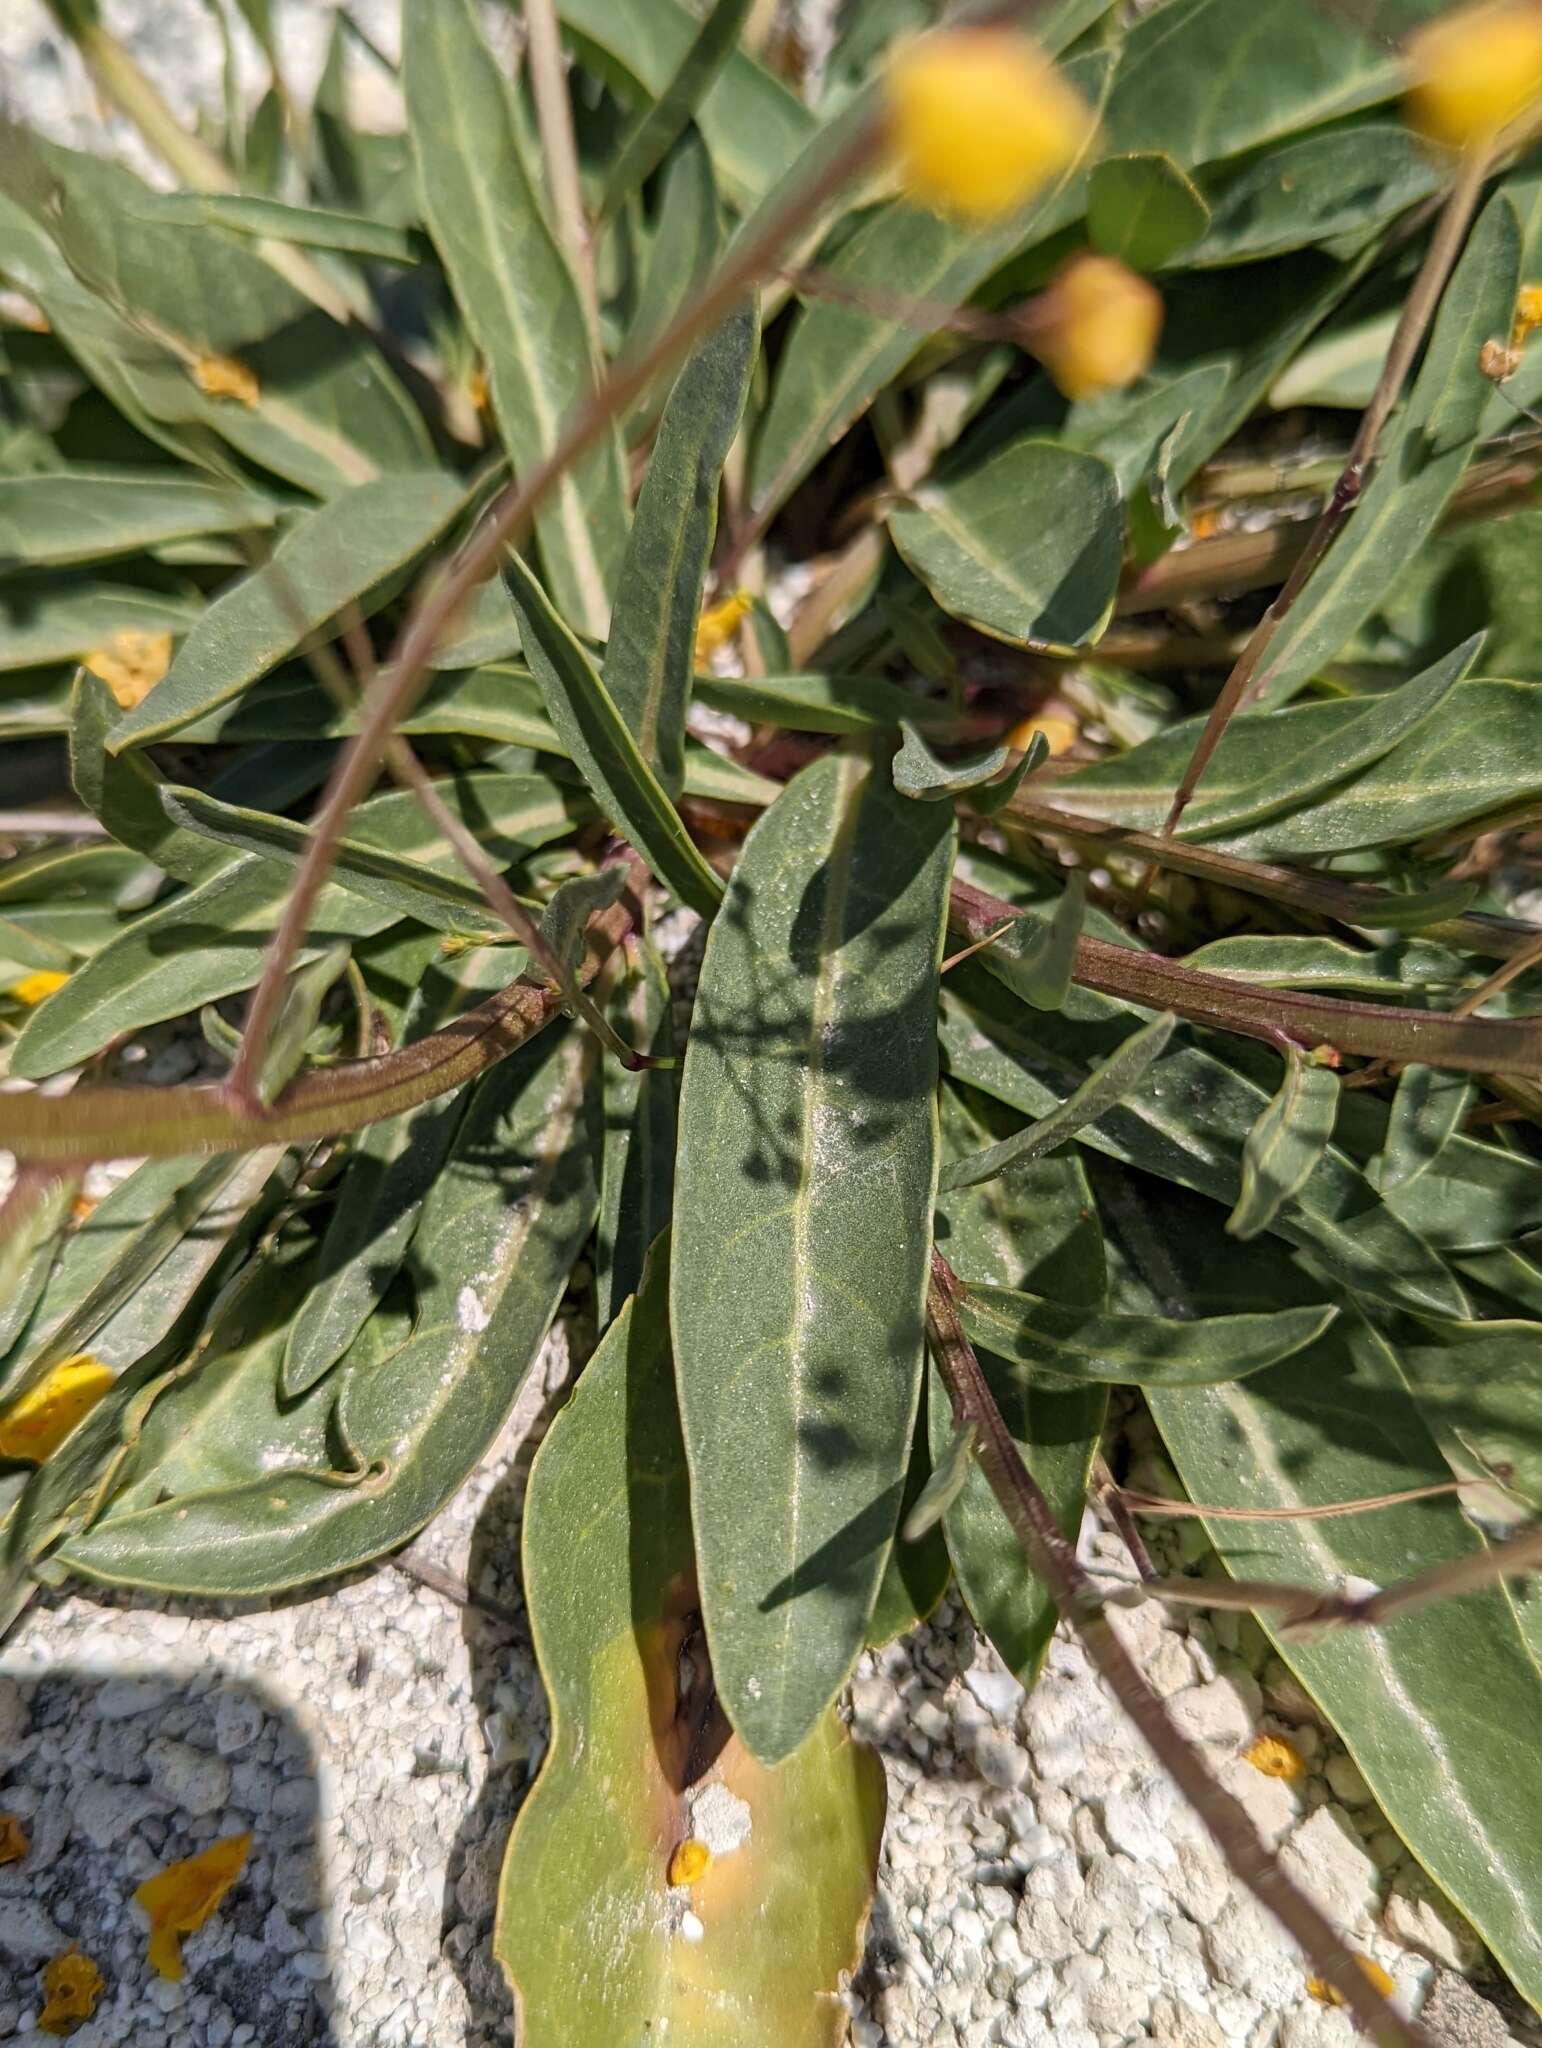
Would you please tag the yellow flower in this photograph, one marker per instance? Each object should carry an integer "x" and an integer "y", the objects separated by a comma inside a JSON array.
[
  {"x": 1329, "y": 1994},
  {"x": 13, "y": 1838},
  {"x": 34, "y": 1426},
  {"x": 1275, "y": 1757},
  {"x": 979, "y": 119},
  {"x": 226, "y": 377},
  {"x": 1096, "y": 327},
  {"x": 691, "y": 1861},
  {"x": 1059, "y": 732},
  {"x": 720, "y": 622},
  {"x": 1473, "y": 71},
  {"x": 71, "y": 1986},
  {"x": 1528, "y": 314},
  {"x": 131, "y": 663},
  {"x": 34, "y": 988},
  {"x": 182, "y": 1896}
]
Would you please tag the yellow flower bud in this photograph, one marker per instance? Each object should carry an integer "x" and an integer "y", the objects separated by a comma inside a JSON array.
[
  {"x": 979, "y": 119},
  {"x": 1275, "y": 1757},
  {"x": 131, "y": 663},
  {"x": 1096, "y": 327},
  {"x": 35, "y": 988},
  {"x": 34, "y": 1425},
  {"x": 1472, "y": 72},
  {"x": 1059, "y": 731},
  {"x": 1528, "y": 314}
]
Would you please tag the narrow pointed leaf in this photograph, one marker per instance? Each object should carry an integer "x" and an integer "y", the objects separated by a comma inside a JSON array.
[
  {"x": 650, "y": 654},
  {"x": 637, "y": 1167},
  {"x": 88, "y": 515},
  {"x": 1104, "y": 1088},
  {"x": 1143, "y": 209},
  {"x": 806, "y": 1173},
  {"x": 1035, "y": 956},
  {"x": 943, "y": 1487},
  {"x": 610, "y": 1578},
  {"x": 1284, "y": 1146},
  {"x": 918, "y": 772},
  {"x": 1429, "y": 1108},
  {"x": 596, "y": 738},
  {"x": 656, "y": 129},
  {"x": 514, "y": 289},
  {"x": 917, "y": 1574},
  {"x": 348, "y": 552}
]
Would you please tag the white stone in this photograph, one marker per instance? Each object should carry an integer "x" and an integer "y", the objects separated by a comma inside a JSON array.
[
  {"x": 27, "y": 1935},
  {"x": 1000, "y": 1761},
  {"x": 1324, "y": 1856},
  {"x": 188, "y": 1778},
  {"x": 1346, "y": 1783},
  {"x": 1415, "y": 1916},
  {"x": 1222, "y": 1710},
  {"x": 104, "y": 1812},
  {"x": 997, "y": 1691},
  {"x": 719, "y": 1818},
  {"x": 1248, "y": 1956}
]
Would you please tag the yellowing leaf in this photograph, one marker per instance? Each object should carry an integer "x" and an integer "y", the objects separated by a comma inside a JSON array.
[
  {"x": 226, "y": 377},
  {"x": 13, "y": 1838},
  {"x": 33, "y": 988},
  {"x": 34, "y": 1426},
  {"x": 71, "y": 1986},
  {"x": 182, "y": 1897},
  {"x": 131, "y": 664}
]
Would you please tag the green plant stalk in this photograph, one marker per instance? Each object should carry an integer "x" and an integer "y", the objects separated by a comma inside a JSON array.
[
  {"x": 400, "y": 682},
  {"x": 1418, "y": 311},
  {"x": 1056, "y": 1563},
  {"x": 1483, "y": 1045},
  {"x": 559, "y": 152}
]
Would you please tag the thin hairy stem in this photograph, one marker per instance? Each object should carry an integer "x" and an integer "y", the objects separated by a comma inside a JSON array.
[
  {"x": 1158, "y": 1504},
  {"x": 399, "y": 682},
  {"x": 559, "y": 153},
  {"x": 1074, "y": 1593},
  {"x": 1418, "y": 311}
]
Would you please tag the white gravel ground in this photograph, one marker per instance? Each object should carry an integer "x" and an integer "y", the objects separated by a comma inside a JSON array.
[{"x": 1041, "y": 1881}]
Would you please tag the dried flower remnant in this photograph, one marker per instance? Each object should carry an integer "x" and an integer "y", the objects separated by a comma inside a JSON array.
[
  {"x": 33, "y": 1426},
  {"x": 1275, "y": 1757},
  {"x": 71, "y": 1986},
  {"x": 1474, "y": 71},
  {"x": 1096, "y": 327},
  {"x": 227, "y": 377},
  {"x": 180, "y": 1898},
  {"x": 33, "y": 989},
  {"x": 979, "y": 120},
  {"x": 720, "y": 622},
  {"x": 131, "y": 663},
  {"x": 14, "y": 1842},
  {"x": 690, "y": 1862}
]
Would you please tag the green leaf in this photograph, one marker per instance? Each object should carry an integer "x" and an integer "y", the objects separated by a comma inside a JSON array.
[
  {"x": 943, "y": 1487},
  {"x": 918, "y": 772},
  {"x": 1035, "y": 956},
  {"x": 1272, "y": 763},
  {"x": 1449, "y": 1689},
  {"x": 381, "y": 1196},
  {"x": 1048, "y": 580},
  {"x": 806, "y": 1172},
  {"x": 1477, "y": 1386},
  {"x": 655, "y": 130},
  {"x": 821, "y": 703},
  {"x": 1418, "y": 468},
  {"x": 917, "y": 1574},
  {"x": 637, "y": 1165},
  {"x": 1104, "y": 1088},
  {"x": 126, "y": 793},
  {"x": 27, "y": 1254},
  {"x": 610, "y": 1579},
  {"x": 514, "y": 289},
  {"x": 1080, "y": 1344},
  {"x": 1187, "y": 1123},
  {"x": 302, "y": 227},
  {"x": 595, "y": 737},
  {"x": 754, "y": 126},
  {"x": 684, "y": 246},
  {"x": 1130, "y": 429},
  {"x": 86, "y": 515},
  {"x": 1284, "y": 1146},
  {"x": 1034, "y": 1227},
  {"x": 68, "y": 617},
  {"x": 496, "y": 1239},
  {"x": 649, "y": 657},
  {"x": 1143, "y": 209},
  {"x": 1428, "y": 1110},
  {"x": 1341, "y": 181},
  {"x": 350, "y": 552}
]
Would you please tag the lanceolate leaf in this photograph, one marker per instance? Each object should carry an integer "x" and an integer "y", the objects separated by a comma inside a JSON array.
[
  {"x": 495, "y": 1242},
  {"x": 87, "y": 515},
  {"x": 806, "y": 1173},
  {"x": 1450, "y": 1688},
  {"x": 1035, "y": 956},
  {"x": 1282, "y": 1149},
  {"x": 596, "y": 738},
  {"x": 919, "y": 773},
  {"x": 1025, "y": 544},
  {"x": 515, "y": 291},
  {"x": 66, "y": 618},
  {"x": 649, "y": 657},
  {"x": 347, "y": 553},
  {"x": 636, "y": 1768},
  {"x": 654, "y": 132},
  {"x": 1072, "y": 1343},
  {"x": 1428, "y": 1109},
  {"x": 637, "y": 1169},
  {"x": 1143, "y": 209}
]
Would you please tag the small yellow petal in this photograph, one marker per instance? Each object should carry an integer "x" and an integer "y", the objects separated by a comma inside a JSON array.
[
  {"x": 720, "y": 622},
  {"x": 1528, "y": 313},
  {"x": 13, "y": 1838},
  {"x": 226, "y": 377},
  {"x": 691, "y": 1860},
  {"x": 980, "y": 119},
  {"x": 1096, "y": 327},
  {"x": 1329, "y": 1994},
  {"x": 131, "y": 664},
  {"x": 181, "y": 1897},
  {"x": 1475, "y": 70},
  {"x": 34, "y": 1426},
  {"x": 71, "y": 1986},
  {"x": 1275, "y": 1757},
  {"x": 35, "y": 988},
  {"x": 478, "y": 390}
]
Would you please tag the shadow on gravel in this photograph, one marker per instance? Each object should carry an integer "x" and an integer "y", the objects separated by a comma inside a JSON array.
[{"x": 112, "y": 1778}]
